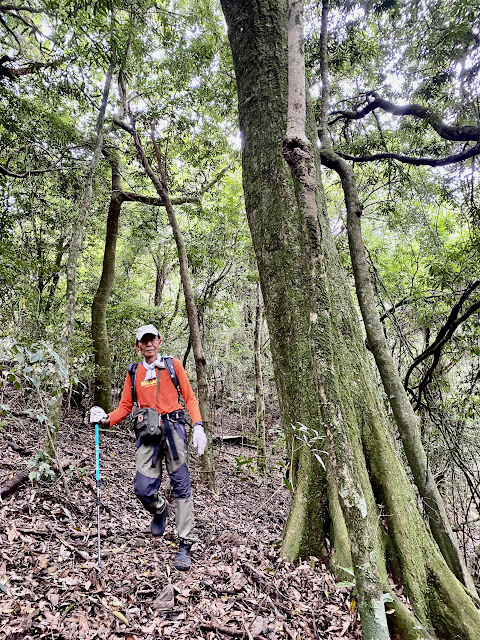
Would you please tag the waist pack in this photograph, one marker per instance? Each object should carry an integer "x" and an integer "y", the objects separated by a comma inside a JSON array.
[{"x": 147, "y": 424}]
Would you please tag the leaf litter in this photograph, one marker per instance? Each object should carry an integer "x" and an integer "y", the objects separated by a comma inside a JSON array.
[{"x": 238, "y": 587}]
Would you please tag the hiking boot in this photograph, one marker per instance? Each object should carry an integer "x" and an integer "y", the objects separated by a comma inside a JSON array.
[
  {"x": 182, "y": 560},
  {"x": 159, "y": 523}
]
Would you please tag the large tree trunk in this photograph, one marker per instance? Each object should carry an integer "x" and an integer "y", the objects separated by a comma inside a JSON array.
[
  {"x": 101, "y": 348},
  {"x": 298, "y": 153},
  {"x": 324, "y": 379}
]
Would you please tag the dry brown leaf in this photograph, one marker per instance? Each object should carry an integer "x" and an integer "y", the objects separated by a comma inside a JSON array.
[
  {"x": 166, "y": 600},
  {"x": 344, "y": 628},
  {"x": 238, "y": 581},
  {"x": 12, "y": 533},
  {"x": 259, "y": 626}
]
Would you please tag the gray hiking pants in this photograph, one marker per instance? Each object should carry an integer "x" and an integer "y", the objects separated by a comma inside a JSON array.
[{"x": 148, "y": 476}]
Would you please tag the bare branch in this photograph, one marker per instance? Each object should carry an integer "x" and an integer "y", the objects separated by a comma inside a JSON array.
[
  {"x": 6, "y": 172},
  {"x": 443, "y": 336},
  {"x": 5, "y": 71},
  {"x": 128, "y": 196},
  {"x": 123, "y": 125},
  {"x": 11, "y": 7},
  {"x": 430, "y": 162},
  {"x": 32, "y": 67},
  {"x": 218, "y": 177},
  {"x": 446, "y": 131}
]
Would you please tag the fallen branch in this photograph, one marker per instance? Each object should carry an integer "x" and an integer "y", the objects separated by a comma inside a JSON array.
[
  {"x": 13, "y": 484},
  {"x": 237, "y": 440},
  {"x": 18, "y": 449},
  {"x": 83, "y": 554}
]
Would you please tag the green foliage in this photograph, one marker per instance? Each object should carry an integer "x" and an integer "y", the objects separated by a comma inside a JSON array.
[
  {"x": 30, "y": 369},
  {"x": 41, "y": 468},
  {"x": 245, "y": 468},
  {"x": 310, "y": 437}
]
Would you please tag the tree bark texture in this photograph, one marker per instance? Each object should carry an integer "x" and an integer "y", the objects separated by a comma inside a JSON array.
[
  {"x": 208, "y": 463},
  {"x": 405, "y": 417},
  {"x": 317, "y": 348},
  {"x": 259, "y": 397},
  {"x": 298, "y": 154},
  {"x": 101, "y": 348}
]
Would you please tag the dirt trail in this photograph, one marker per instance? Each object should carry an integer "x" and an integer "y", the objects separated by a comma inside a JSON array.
[{"x": 238, "y": 587}]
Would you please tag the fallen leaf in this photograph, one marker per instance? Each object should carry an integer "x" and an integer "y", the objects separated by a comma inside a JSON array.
[
  {"x": 12, "y": 533},
  {"x": 345, "y": 628},
  {"x": 166, "y": 600},
  {"x": 259, "y": 626},
  {"x": 120, "y": 616}
]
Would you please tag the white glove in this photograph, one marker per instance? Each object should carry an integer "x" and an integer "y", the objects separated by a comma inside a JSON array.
[
  {"x": 199, "y": 438},
  {"x": 97, "y": 414}
]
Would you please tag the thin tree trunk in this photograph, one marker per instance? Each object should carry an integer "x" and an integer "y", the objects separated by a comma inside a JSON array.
[
  {"x": 101, "y": 348},
  {"x": 60, "y": 250},
  {"x": 208, "y": 465},
  {"x": 161, "y": 269},
  {"x": 405, "y": 417},
  {"x": 72, "y": 265},
  {"x": 259, "y": 397}
]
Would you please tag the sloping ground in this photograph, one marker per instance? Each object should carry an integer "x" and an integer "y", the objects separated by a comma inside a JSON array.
[{"x": 239, "y": 587}]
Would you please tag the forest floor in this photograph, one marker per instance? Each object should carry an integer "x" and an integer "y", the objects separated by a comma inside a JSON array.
[{"x": 238, "y": 586}]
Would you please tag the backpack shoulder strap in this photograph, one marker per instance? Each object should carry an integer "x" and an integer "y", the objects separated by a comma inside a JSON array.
[
  {"x": 132, "y": 370},
  {"x": 169, "y": 366}
]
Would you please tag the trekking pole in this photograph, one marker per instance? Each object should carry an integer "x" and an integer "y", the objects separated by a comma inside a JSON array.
[{"x": 97, "y": 474}]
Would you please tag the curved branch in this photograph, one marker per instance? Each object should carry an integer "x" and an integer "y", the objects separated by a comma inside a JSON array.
[
  {"x": 11, "y": 7},
  {"x": 446, "y": 131},
  {"x": 394, "y": 307},
  {"x": 128, "y": 196},
  {"x": 6, "y": 172},
  {"x": 430, "y": 162},
  {"x": 218, "y": 177}
]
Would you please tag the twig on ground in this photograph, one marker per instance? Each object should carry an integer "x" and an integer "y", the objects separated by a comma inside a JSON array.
[{"x": 81, "y": 553}]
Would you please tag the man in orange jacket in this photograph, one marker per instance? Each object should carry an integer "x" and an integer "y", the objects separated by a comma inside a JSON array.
[{"x": 164, "y": 398}]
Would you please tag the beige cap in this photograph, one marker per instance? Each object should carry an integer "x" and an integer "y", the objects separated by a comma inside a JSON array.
[{"x": 147, "y": 328}]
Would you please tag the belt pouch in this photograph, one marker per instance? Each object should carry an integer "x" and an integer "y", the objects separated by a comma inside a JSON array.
[{"x": 147, "y": 425}]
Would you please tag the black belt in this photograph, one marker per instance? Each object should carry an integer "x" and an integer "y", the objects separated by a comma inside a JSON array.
[{"x": 179, "y": 414}]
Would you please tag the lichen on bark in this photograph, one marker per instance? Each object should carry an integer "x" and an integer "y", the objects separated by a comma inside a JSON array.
[{"x": 317, "y": 345}]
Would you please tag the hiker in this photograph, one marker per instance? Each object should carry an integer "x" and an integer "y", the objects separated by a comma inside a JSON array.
[{"x": 151, "y": 393}]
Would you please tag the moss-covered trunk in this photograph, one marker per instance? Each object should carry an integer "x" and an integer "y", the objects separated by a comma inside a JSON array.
[
  {"x": 320, "y": 363},
  {"x": 101, "y": 348}
]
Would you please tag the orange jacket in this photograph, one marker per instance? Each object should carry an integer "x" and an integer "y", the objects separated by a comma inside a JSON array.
[{"x": 167, "y": 399}]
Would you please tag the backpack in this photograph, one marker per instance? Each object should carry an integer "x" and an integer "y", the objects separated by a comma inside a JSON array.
[{"x": 168, "y": 362}]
